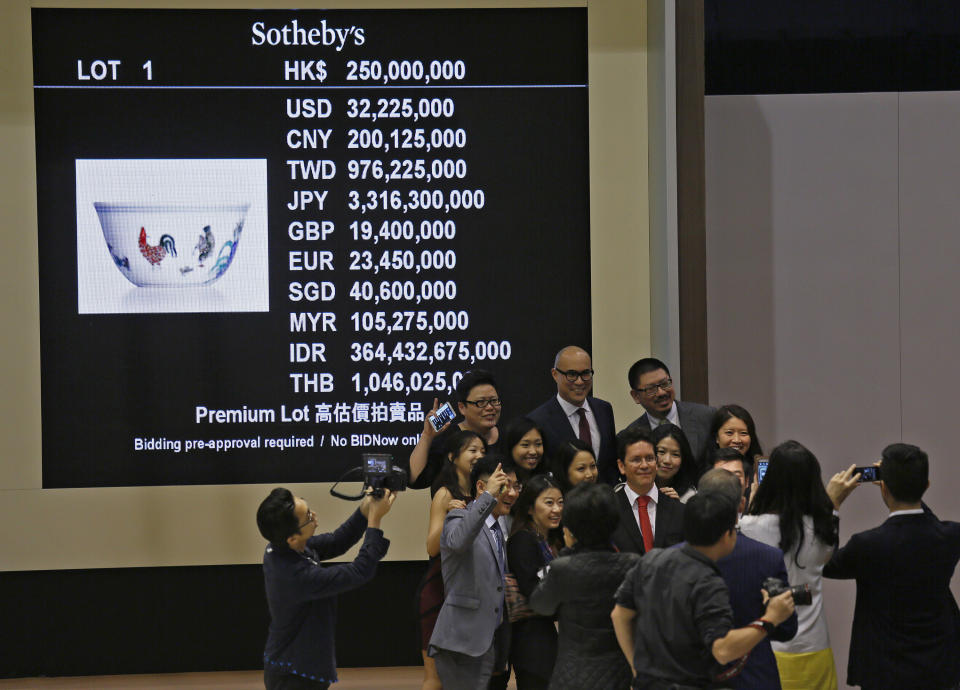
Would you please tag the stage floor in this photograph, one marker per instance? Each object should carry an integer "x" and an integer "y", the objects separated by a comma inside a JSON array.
[{"x": 387, "y": 678}]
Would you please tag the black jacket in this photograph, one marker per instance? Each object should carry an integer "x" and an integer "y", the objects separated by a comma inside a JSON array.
[
  {"x": 533, "y": 641},
  {"x": 667, "y": 531},
  {"x": 906, "y": 625},
  {"x": 579, "y": 587}
]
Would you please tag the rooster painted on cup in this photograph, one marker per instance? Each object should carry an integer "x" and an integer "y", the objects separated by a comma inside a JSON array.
[
  {"x": 155, "y": 255},
  {"x": 181, "y": 245}
]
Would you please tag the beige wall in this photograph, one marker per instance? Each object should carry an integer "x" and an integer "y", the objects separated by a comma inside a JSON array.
[{"x": 208, "y": 525}]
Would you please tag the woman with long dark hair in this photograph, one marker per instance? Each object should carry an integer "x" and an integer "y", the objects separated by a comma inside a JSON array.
[
  {"x": 533, "y": 544},
  {"x": 733, "y": 427},
  {"x": 677, "y": 468},
  {"x": 574, "y": 463},
  {"x": 525, "y": 442},
  {"x": 451, "y": 490},
  {"x": 792, "y": 511}
]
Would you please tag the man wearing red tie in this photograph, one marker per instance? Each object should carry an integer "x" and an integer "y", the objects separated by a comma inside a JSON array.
[{"x": 648, "y": 518}]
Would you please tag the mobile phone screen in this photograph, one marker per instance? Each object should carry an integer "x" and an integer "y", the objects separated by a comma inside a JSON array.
[
  {"x": 870, "y": 473},
  {"x": 444, "y": 414},
  {"x": 761, "y": 469}
]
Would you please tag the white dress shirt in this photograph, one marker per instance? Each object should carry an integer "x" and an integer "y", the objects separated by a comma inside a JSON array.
[
  {"x": 912, "y": 511},
  {"x": 573, "y": 417},
  {"x": 672, "y": 416},
  {"x": 632, "y": 497}
]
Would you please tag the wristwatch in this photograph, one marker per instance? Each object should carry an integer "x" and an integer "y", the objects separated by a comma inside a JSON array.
[{"x": 761, "y": 624}]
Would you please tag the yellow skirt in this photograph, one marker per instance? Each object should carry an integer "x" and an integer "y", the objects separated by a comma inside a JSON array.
[{"x": 807, "y": 671}]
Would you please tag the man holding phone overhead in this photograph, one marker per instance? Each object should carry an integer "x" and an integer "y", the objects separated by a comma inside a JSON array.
[
  {"x": 472, "y": 636},
  {"x": 906, "y": 624}
]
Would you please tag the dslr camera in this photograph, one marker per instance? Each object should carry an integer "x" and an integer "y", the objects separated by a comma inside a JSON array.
[
  {"x": 801, "y": 593},
  {"x": 380, "y": 473}
]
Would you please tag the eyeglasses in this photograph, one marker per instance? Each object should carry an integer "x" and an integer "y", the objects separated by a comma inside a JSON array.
[
  {"x": 311, "y": 517},
  {"x": 572, "y": 375},
  {"x": 665, "y": 385},
  {"x": 484, "y": 402}
]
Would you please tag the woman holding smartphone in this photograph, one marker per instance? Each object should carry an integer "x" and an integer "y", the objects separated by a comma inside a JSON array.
[
  {"x": 792, "y": 511},
  {"x": 478, "y": 402}
]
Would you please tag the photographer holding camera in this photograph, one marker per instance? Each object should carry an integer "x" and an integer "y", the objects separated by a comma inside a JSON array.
[
  {"x": 906, "y": 626},
  {"x": 672, "y": 616},
  {"x": 751, "y": 567},
  {"x": 301, "y": 593}
]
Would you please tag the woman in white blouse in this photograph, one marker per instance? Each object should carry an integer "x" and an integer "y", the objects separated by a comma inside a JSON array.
[{"x": 792, "y": 511}]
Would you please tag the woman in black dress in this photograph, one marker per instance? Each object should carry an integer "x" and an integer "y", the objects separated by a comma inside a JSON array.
[{"x": 579, "y": 588}]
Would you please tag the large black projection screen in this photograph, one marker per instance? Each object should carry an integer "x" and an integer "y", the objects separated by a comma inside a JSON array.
[{"x": 269, "y": 239}]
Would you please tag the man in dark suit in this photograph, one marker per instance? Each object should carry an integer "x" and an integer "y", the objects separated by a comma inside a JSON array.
[
  {"x": 744, "y": 572},
  {"x": 906, "y": 625},
  {"x": 648, "y": 517},
  {"x": 471, "y": 639},
  {"x": 574, "y": 414},
  {"x": 652, "y": 388}
]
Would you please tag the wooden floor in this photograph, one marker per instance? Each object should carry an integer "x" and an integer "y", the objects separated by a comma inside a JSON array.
[{"x": 387, "y": 678}]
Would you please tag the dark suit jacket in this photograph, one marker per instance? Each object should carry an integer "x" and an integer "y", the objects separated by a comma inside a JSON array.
[
  {"x": 667, "y": 531},
  {"x": 533, "y": 641},
  {"x": 550, "y": 417},
  {"x": 744, "y": 571},
  {"x": 906, "y": 626},
  {"x": 694, "y": 420}
]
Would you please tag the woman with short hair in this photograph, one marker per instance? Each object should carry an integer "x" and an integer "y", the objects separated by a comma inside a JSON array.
[{"x": 579, "y": 587}]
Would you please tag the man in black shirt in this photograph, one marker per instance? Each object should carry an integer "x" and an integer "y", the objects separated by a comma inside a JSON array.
[{"x": 668, "y": 647}]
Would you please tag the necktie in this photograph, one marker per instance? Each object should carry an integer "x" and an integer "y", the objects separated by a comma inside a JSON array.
[
  {"x": 585, "y": 428},
  {"x": 498, "y": 537},
  {"x": 645, "y": 528},
  {"x": 501, "y": 563}
]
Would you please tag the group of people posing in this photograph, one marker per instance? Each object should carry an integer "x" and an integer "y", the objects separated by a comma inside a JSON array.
[
  {"x": 536, "y": 533},
  {"x": 578, "y": 558}
]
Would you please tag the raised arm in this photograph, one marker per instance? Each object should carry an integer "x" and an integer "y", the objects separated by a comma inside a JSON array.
[
  {"x": 843, "y": 564},
  {"x": 461, "y": 527},
  {"x": 338, "y": 542},
  {"x": 318, "y": 582},
  {"x": 342, "y": 539},
  {"x": 420, "y": 455}
]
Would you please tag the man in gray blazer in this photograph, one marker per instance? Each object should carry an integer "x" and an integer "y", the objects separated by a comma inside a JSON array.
[
  {"x": 652, "y": 388},
  {"x": 472, "y": 635}
]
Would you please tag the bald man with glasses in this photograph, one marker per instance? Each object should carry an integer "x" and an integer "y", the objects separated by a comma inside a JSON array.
[{"x": 574, "y": 413}]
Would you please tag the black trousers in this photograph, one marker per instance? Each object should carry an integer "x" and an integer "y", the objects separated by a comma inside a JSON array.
[
  {"x": 287, "y": 681},
  {"x": 530, "y": 681}
]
